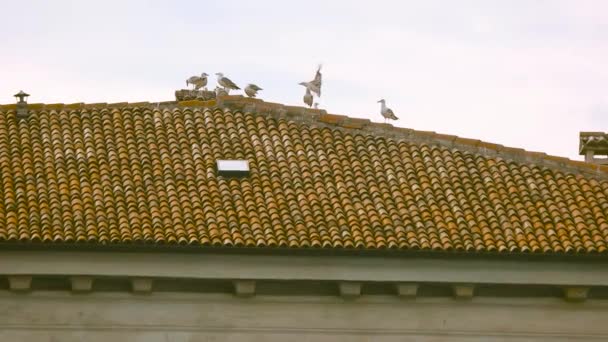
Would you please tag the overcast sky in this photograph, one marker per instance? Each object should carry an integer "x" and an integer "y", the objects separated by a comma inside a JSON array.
[{"x": 528, "y": 74}]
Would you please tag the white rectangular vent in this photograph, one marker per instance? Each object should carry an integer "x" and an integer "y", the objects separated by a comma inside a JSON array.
[{"x": 233, "y": 168}]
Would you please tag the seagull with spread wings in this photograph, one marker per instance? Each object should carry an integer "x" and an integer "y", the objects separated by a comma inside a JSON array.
[{"x": 315, "y": 84}]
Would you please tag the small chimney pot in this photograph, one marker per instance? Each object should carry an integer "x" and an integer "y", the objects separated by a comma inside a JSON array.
[
  {"x": 592, "y": 145},
  {"x": 22, "y": 111}
]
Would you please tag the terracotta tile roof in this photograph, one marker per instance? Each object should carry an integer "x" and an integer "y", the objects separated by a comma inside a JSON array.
[{"x": 145, "y": 173}]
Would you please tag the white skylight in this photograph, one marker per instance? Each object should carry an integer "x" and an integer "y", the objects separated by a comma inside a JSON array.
[{"x": 232, "y": 167}]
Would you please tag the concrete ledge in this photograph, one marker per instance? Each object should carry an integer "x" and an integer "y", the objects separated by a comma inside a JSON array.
[
  {"x": 81, "y": 283},
  {"x": 244, "y": 288},
  {"x": 315, "y": 268},
  {"x": 463, "y": 291},
  {"x": 576, "y": 294},
  {"x": 20, "y": 283},
  {"x": 141, "y": 285},
  {"x": 406, "y": 290},
  {"x": 349, "y": 289}
]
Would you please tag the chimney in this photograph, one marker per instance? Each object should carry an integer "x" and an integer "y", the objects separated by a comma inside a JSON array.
[
  {"x": 22, "y": 112},
  {"x": 592, "y": 145}
]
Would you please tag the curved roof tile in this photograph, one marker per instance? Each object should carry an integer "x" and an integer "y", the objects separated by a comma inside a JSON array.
[{"x": 141, "y": 173}]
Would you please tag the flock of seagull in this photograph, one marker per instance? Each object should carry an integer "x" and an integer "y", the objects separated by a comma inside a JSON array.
[{"x": 312, "y": 88}]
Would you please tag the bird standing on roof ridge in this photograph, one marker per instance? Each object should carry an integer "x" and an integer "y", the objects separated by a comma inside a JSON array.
[
  {"x": 252, "y": 90},
  {"x": 315, "y": 84},
  {"x": 198, "y": 81},
  {"x": 308, "y": 98},
  {"x": 386, "y": 112},
  {"x": 226, "y": 83}
]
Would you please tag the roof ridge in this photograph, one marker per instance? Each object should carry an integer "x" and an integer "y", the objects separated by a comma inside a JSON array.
[{"x": 320, "y": 117}]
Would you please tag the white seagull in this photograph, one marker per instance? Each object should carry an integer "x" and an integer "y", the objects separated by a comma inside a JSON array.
[
  {"x": 198, "y": 81},
  {"x": 226, "y": 83},
  {"x": 308, "y": 98},
  {"x": 251, "y": 90},
  {"x": 315, "y": 85},
  {"x": 386, "y": 112}
]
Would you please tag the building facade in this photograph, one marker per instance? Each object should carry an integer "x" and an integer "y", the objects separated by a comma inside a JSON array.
[{"x": 117, "y": 224}]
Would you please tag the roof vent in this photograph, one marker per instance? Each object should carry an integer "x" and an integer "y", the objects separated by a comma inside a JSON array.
[
  {"x": 592, "y": 145},
  {"x": 22, "y": 111},
  {"x": 232, "y": 168}
]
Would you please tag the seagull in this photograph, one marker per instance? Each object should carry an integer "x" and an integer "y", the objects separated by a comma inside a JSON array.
[
  {"x": 226, "y": 83},
  {"x": 251, "y": 90},
  {"x": 308, "y": 98},
  {"x": 198, "y": 81},
  {"x": 318, "y": 79},
  {"x": 315, "y": 85},
  {"x": 386, "y": 112},
  {"x": 220, "y": 92}
]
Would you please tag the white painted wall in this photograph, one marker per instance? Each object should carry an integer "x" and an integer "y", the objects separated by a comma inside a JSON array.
[{"x": 61, "y": 316}]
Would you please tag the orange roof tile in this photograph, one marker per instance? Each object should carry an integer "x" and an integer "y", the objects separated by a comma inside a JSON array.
[{"x": 145, "y": 173}]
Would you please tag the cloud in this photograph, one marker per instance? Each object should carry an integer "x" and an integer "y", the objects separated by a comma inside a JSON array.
[{"x": 519, "y": 73}]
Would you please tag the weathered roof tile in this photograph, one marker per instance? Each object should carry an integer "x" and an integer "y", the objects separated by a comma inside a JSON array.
[{"x": 145, "y": 173}]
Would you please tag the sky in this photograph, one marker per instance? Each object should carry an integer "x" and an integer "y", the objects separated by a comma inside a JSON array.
[{"x": 522, "y": 73}]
